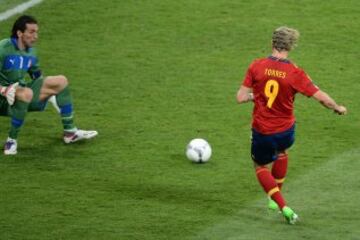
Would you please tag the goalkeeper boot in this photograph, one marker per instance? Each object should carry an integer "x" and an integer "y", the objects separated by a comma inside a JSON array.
[
  {"x": 10, "y": 147},
  {"x": 290, "y": 216},
  {"x": 71, "y": 137},
  {"x": 272, "y": 205}
]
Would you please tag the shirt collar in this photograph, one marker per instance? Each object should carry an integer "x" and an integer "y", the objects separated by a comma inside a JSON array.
[
  {"x": 279, "y": 59},
  {"x": 14, "y": 41}
]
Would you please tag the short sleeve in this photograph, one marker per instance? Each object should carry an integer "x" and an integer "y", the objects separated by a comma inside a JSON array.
[
  {"x": 248, "y": 80},
  {"x": 34, "y": 70},
  {"x": 3, "y": 78},
  {"x": 303, "y": 84}
]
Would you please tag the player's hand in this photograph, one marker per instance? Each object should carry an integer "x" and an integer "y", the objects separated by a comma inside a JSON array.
[
  {"x": 341, "y": 110},
  {"x": 251, "y": 97},
  {"x": 9, "y": 93}
]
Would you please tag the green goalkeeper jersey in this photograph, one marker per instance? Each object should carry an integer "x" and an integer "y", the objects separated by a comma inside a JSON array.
[{"x": 15, "y": 64}]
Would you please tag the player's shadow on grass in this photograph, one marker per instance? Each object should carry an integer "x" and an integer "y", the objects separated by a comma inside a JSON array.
[{"x": 177, "y": 195}]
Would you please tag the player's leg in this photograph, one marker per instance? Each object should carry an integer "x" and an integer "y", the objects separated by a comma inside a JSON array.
[
  {"x": 17, "y": 112},
  {"x": 263, "y": 152},
  {"x": 58, "y": 86},
  {"x": 278, "y": 170},
  {"x": 283, "y": 141},
  {"x": 269, "y": 184}
]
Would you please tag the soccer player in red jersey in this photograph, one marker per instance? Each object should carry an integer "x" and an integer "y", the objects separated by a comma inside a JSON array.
[{"x": 271, "y": 83}]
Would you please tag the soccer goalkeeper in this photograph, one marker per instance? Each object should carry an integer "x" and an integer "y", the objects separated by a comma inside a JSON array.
[
  {"x": 271, "y": 83},
  {"x": 18, "y": 96}
]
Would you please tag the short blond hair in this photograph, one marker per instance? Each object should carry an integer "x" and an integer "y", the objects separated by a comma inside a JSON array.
[{"x": 285, "y": 38}]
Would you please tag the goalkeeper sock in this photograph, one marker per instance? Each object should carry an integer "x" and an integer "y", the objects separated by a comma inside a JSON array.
[
  {"x": 269, "y": 185},
  {"x": 279, "y": 169},
  {"x": 64, "y": 102},
  {"x": 17, "y": 112}
]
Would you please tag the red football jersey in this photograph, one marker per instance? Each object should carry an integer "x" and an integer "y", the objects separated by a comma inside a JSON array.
[{"x": 275, "y": 83}]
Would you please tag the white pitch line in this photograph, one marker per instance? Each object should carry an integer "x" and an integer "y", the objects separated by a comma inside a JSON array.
[{"x": 18, "y": 9}]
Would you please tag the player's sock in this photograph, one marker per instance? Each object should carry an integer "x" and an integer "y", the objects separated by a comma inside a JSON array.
[
  {"x": 269, "y": 185},
  {"x": 279, "y": 169},
  {"x": 18, "y": 112},
  {"x": 64, "y": 102},
  {"x": 67, "y": 118}
]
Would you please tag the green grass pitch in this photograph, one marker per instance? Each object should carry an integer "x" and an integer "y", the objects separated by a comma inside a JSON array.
[{"x": 150, "y": 76}]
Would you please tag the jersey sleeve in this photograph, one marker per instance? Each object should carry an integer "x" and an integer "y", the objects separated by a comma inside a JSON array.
[
  {"x": 3, "y": 78},
  {"x": 303, "y": 84},
  {"x": 34, "y": 71},
  {"x": 248, "y": 80}
]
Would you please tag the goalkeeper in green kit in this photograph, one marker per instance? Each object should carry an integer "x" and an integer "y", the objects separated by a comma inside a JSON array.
[{"x": 18, "y": 96}]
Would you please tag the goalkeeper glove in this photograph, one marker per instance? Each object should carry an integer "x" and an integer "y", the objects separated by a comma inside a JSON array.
[{"x": 9, "y": 93}]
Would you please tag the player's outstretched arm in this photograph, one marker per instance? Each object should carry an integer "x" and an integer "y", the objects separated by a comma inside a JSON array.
[
  {"x": 244, "y": 95},
  {"x": 328, "y": 102}
]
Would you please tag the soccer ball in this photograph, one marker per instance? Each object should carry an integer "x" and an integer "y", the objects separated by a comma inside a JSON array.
[{"x": 198, "y": 150}]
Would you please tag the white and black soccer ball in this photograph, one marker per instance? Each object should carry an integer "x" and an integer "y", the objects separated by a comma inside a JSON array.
[{"x": 198, "y": 150}]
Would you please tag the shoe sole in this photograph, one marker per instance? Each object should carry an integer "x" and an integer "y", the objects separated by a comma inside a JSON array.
[
  {"x": 67, "y": 141},
  {"x": 10, "y": 153},
  {"x": 294, "y": 219}
]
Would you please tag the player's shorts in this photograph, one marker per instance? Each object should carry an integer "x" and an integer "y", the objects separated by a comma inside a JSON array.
[
  {"x": 4, "y": 106},
  {"x": 35, "y": 104},
  {"x": 264, "y": 148}
]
